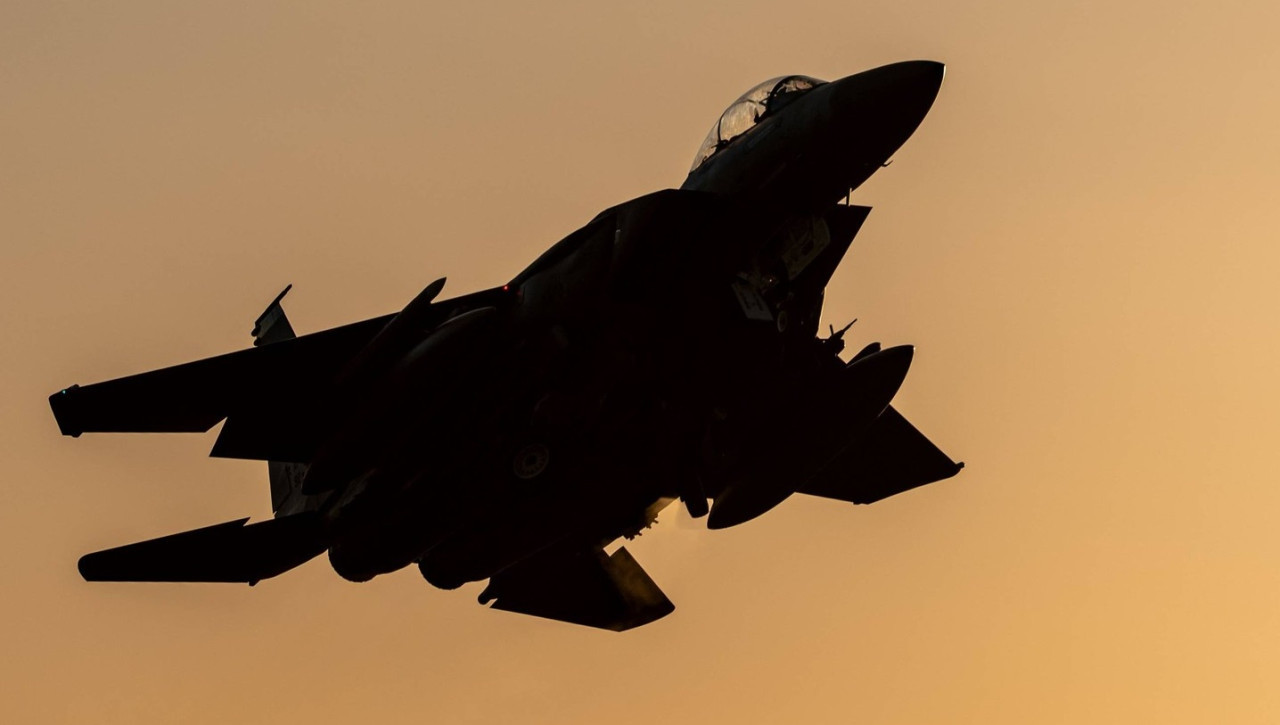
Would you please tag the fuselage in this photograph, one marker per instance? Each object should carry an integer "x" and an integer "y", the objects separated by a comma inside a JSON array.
[{"x": 643, "y": 361}]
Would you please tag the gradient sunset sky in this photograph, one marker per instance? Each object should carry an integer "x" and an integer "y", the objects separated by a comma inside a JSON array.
[{"x": 1080, "y": 240}]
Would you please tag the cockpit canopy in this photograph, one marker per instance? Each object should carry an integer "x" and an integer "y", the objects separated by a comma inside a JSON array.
[{"x": 750, "y": 108}]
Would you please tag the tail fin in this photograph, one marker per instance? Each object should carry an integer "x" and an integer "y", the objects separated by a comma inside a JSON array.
[
  {"x": 286, "y": 478},
  {"x": 273, "y": 325}
]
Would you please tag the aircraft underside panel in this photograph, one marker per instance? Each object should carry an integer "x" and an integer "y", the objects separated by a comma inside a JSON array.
[
  {"x": 893, "y": 457},
  {"x": 230, "y": 552},
  {"x": 586, "y": 587}
]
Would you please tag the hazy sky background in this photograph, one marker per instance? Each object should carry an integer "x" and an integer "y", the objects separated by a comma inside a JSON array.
[{"x": 1080, "y": 240}]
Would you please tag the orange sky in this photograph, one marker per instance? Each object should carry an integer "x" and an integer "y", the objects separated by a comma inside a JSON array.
[{"x": 1080, "y": 240}]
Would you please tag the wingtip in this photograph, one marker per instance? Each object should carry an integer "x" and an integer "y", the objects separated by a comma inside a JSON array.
[
  {"x": 80, "y": 567},
  {"x": 63, "y": 412},
  {"x": 88, "y": 567}
]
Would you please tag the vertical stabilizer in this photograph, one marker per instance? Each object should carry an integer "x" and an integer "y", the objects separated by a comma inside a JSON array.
[
  {"x": 272, "y": 325},
  {"x": 286, "y": 478}
]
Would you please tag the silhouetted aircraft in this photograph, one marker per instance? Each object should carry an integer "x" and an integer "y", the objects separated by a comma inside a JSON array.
[{"x": 669, "y": 349}]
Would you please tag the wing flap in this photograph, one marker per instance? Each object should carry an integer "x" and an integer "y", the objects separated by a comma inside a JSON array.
[
  {"x": 228, "y": 552},
  {"x": 590, "y": 588},
  {"x": 893, "y": 457}
]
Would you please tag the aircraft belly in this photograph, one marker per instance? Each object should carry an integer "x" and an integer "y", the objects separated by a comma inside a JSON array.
[{"x": 600, "y": 507}]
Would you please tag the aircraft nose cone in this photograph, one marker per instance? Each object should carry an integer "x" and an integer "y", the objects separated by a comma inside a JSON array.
[
  {"x": 913, "y": 84},
  {"x": 882, "y": 107},
  {"x": 925, "y": 75},
  {"x": 918, "y": 82}
]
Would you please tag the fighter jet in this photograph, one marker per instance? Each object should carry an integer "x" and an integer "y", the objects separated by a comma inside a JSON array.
[{"x": 668, "y": 350}]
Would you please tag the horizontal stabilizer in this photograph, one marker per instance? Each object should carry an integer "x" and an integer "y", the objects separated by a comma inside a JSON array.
[
  {"x": 230, "y": 552},
  {"x": 893, "y": 457},
  {"x": 589, "y": 588}
]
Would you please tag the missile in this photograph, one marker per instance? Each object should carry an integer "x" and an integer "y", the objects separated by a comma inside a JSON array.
[{"x": 860, "y": 394}]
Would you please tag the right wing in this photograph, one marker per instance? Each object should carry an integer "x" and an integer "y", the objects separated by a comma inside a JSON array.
[
  {"x": 583, "y": 587},
  {"x": 893, "y": 457}
]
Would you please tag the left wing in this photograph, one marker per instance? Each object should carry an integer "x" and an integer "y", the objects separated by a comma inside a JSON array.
[
  {"x": 193, "y": 397},
  {"x": 275, "y": 395},
  {"x": 230, "y": 552},
  {"x": 580, "y": 587}
]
